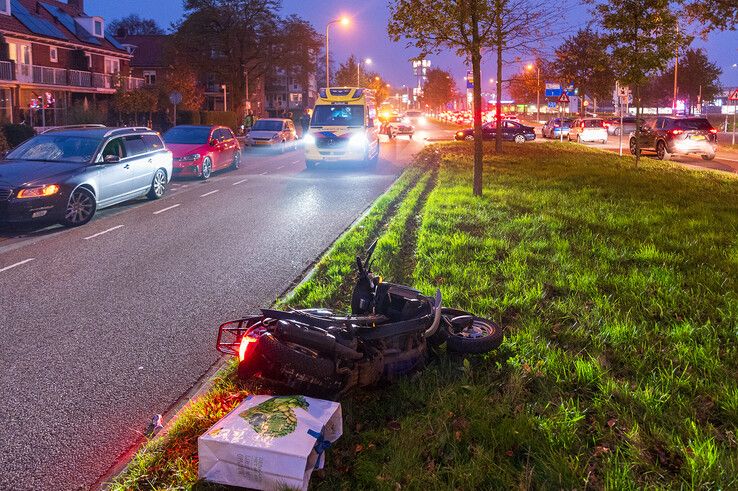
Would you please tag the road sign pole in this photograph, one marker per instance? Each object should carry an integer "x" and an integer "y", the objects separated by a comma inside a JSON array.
[
  {"x": 735, "y": 106},
  {"x": 733, "y": 97},
  {"x": 620, "y": 131}
]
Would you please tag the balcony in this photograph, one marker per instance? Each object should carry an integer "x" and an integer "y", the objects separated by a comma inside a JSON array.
[{"x": 11, "y": 71}]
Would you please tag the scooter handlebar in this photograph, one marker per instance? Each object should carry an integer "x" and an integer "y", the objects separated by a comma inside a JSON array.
[{"x": 437, "y": 301}]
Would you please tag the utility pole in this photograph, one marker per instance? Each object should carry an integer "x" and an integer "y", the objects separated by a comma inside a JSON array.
[{"x": 676, "y": 71}]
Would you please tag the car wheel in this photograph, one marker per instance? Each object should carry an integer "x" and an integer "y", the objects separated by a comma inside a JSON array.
[
  {"x": 158, "y": 185},
  {"x": 207, "y": 168},
  {"x": 236, "y": 160},
  {"x": 632, "y": 146},
  {"x": 603, "y": 141},
  {"x": 283, "y": 147},
  {"x": 579, "y": 139},
  {"x": 519, "y": 139},
  {"x": 469, "y": 138},
  {"x": 661, "y": 152},
  {"x": 80, "y": 209},
  {"x": 708, "y": 156},
  {"x": 310, "y": 164},
  {"x": 616, "y": 132},
  {"x": 410, "y": 136}
]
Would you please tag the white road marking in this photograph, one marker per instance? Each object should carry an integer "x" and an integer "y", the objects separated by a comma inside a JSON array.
[
  {"x": 264, "y": 173},
  {"x": 295, "y": 162},
  {"x": 208, "y": 194},
  {"x": 239, "y": 182},
  {"x": 16, "y": 264},
  {"x": 281, "y": 166},
  {"x": 166, "y": 209},
  {"x": 103, "y": 232}
]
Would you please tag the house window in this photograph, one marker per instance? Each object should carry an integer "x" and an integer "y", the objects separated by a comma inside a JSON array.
[
  {"x": 53, "y": 55},
  {"x": 98, "y": 26},
  {"x": 5, "y": 7},
  {"x": 149, "y": 77},
  {"x": 112, "y": 65}
]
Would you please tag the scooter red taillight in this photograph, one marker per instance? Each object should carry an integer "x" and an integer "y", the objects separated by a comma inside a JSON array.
[{"x": 243, "y": 348}]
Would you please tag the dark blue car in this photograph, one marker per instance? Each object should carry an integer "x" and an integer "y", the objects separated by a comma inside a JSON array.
[{"x": 511, "y": 131}]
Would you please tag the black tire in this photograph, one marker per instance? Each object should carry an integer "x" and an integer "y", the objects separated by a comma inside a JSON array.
[
  {"x": 661, "y": 151},
  {"x": 481, "y": 336},
  {"x": 158, "y": 185},
  {"x": 632, "y": 146},
  {"x": 80, "y": 208},
  {"x": 236, "y": 160},
  {"x": 207, "y": 169},
  {"x": 310, "y": 164},
  {"x": 300, "y": 371},
  {"x": 708, "y": 156}
]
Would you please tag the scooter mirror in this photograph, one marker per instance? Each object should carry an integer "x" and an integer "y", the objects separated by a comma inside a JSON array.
[{"x": 369, "y": 252}]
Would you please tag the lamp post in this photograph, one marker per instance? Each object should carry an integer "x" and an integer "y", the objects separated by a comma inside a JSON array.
[
  {"x": 538, "y": 90},
  {"x": 225, "y": 98},
  {"x": 368, "y": 61},
  {"x": 344, "y": 21}
]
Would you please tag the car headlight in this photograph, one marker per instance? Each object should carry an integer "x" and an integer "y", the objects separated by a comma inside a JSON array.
[
  {"x": 358, "y": 140},
  {"x": 189, "y": 158},
  {"x": 422, "y": 120},
  {"x": 309, "y": 139},
  {"x": 460, "y": 133},
  {"x": 39, "y": 191}
]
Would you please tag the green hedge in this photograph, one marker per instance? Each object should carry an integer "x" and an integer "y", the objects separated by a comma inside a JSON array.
[
  {"x": 188, "y": 117},
  {"x": 222, "y": 118},
  {"x": 15, "y": 134}
]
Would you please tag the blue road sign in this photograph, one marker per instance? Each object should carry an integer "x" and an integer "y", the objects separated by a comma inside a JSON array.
[
  {"x": 553, "y": 89},
  {"x": 551, "y": 104}
]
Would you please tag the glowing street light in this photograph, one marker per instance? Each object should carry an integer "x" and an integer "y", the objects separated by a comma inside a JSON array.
[{"x": 344, "y": 21}]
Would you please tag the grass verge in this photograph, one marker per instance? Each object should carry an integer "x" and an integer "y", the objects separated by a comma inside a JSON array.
[{"x": 619, "y": 289}]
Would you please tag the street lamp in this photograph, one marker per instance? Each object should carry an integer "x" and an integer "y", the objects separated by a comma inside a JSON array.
[
  {"x": 225, "y": 97},
  {"x": 368, "y": 61},
  {"x": 344, "y": 21},
  {"x": 538, "y": 89}
]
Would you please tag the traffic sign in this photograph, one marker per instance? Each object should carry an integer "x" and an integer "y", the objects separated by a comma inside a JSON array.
[
  {"x": 553, "y": 89},
  {"x": 551, "y": 104},
  {"x": 175, "y": 97},
  {"x": 564, "y": 99},
  {"x": 733, "y": 95}
]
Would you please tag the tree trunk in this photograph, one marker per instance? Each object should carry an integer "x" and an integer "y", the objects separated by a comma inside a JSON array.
[
  {"x": 498, "y": 102},
  {"x": 476, "y": 59},
  {"x": 638, "y": 126}
]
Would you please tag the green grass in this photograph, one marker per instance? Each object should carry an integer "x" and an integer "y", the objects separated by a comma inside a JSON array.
[{"x": 619, "y": 289}]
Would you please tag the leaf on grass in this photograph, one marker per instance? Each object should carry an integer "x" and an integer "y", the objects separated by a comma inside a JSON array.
[
  {"x": 457, "y": 436},
  {"x": 394, "y": 425},
  {"x": 359, "y": 448},
  {"x": 611, "y": 422},
  {"x": 601, "y": 449},
  {"x": 509, "y": 453}
]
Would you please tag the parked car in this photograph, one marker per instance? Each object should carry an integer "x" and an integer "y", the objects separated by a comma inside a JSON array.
[
  {"x": 201, "y": 150},
  {"x": 65, "y": 175},
  {"x": 511, "y": 131},
  {"x": 553, "y": 128},
  {"x": 396, "y": 126},
  {"x": 588, "y": 130},
  {"x": 273, "y": 133},
  {"x": 668, "y": 135},
  {"x": 613, "y": 125}
]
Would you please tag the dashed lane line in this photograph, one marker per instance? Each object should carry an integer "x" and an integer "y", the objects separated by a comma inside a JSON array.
[
  {"x": 17, "y": 264},
  {"x": 209, "y": 193},
  {"x": 166, "y": 209},
  {"x": 239, "y": 182},
  {"x": 103, "y": 232}
]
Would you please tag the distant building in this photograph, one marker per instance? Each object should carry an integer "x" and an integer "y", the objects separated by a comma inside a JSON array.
[
  {"x": 285, "y": 93},
  {"x": 148, "y": 55},
  {"x": 54, "y": 55}
]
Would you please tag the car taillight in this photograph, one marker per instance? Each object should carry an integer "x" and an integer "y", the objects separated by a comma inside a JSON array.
[
  {"x": 713, "y": 131},
  {"x": 246, "y": 341},
  {"x": 677, "y": 132},
  {"x": 582, "y": 125},
  {"x": 605, "y": 125}
]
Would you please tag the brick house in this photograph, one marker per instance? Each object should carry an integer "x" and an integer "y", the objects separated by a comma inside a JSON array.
[
  {"x": 53, "y": 56},
  {"x": 148, "y": 55}
]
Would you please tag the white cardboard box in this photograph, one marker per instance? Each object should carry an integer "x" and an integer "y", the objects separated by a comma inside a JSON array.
[{"x": 269, "y": 442}]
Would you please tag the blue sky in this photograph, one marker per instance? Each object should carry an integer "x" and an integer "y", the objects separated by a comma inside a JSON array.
[{"x": 367, "y": 36}]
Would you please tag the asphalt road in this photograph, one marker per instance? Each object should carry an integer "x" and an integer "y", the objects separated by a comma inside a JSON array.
[{"x": 105, "y": 325}]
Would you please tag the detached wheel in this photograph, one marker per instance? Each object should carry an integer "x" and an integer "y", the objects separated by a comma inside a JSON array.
[
  {"x": 158, "y": 185},
  {"x": 519, "y": 139},
  {"x": 468, "y": 334},
  {"x": 80, "y": 209},
  {"x": 207, "y": 169},
  {"x": 708, "y": 156}
]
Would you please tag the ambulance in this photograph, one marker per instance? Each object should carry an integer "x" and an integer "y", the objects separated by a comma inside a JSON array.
[{"x": 343, "y": 128}]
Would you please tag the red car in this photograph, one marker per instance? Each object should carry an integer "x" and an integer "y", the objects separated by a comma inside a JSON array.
[{"x": 201, "y": 150}]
